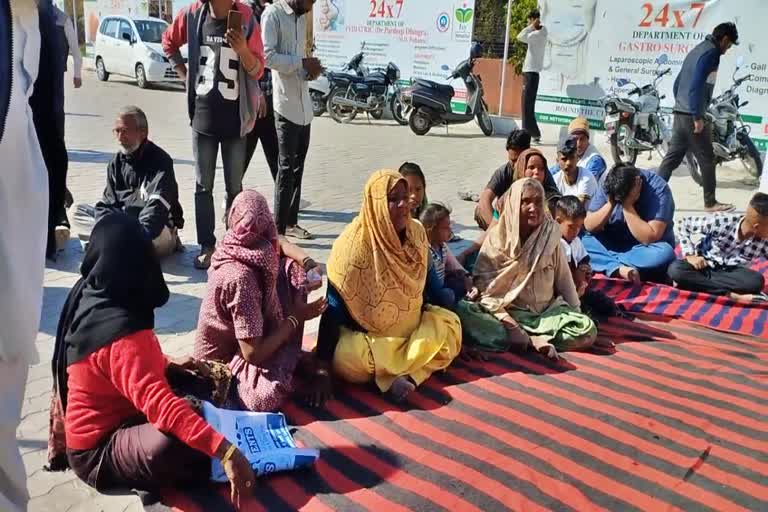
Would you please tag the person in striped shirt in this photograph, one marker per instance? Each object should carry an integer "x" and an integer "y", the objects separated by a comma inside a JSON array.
[{"x": 718, "y": 262}]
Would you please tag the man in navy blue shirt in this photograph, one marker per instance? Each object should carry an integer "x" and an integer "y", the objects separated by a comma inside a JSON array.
[
  {"x": 630, "y": 225},
  {"x": 693, "y": 93}
]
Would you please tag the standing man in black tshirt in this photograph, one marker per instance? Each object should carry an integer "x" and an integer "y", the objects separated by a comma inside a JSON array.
[{"x": 224, "y": 66}]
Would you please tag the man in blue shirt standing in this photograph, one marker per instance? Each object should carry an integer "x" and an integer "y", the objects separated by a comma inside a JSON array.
[
  {"x": 630, "y": 226},
  {"x": 693, "y": 93}
]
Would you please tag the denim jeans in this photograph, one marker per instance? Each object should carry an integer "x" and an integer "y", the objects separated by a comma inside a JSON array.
[
  {"x": 650, "y": 260},
  {"x": 293, "y": 142},
  {"x": 206, "y": 151}
]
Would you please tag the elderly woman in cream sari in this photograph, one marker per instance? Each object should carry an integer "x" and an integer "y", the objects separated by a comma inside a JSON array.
[{"x": 522, "y": 276}]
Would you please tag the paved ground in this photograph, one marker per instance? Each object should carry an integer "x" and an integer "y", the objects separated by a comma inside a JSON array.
[{"x": 340, "y": 160}]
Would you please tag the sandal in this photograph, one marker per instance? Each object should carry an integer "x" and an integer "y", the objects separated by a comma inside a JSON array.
[
  {"x": 469, "y": 196},
  {"x": 719, "y": 207},
  {"x": 298, "y": 232}
]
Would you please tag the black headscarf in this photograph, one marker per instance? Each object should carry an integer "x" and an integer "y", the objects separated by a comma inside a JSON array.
[{"x": 121, "y": 285}]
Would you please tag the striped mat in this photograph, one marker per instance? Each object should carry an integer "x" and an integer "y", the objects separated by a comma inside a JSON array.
[
  {"x": 709, "y": 310},
  {"x": 675, "y": 419}
]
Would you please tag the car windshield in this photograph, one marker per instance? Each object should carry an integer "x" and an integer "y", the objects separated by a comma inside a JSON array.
[{"x": 151, "y": 31}]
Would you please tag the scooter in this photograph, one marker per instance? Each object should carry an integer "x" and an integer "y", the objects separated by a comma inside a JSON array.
[
  {"x": 321, "y": 87},
  {"x": 431, "y": 101}
]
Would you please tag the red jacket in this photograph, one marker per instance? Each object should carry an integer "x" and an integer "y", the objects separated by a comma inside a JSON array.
[{"x": 121, "y": 381}]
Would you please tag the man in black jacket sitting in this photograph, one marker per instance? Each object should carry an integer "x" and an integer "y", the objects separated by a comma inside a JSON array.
[{"x": 140, "y": 182}]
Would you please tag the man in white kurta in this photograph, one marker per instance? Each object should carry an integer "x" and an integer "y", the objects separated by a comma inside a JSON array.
[{"x": 24, "y": 213}]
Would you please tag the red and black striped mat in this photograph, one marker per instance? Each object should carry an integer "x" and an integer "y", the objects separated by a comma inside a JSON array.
[
  {"x": 675, "y": 419},
  {"x": 709, "y": 310}
]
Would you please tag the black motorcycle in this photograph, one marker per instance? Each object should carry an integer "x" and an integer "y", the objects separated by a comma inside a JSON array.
[
  {"x": 431, "y": 102},
  {"x": 353, "y": 94},
  {"x": 321, "y": 87}
]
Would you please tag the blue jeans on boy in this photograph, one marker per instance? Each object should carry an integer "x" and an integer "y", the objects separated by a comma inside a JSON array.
[{"x": 606, "y": 256}]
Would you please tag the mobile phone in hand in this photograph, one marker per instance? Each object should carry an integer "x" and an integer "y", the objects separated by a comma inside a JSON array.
[{"x": 235, "y": 20}]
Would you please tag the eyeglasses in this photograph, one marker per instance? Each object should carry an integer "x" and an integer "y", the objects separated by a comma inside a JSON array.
[{"x": 120, "y": 131}]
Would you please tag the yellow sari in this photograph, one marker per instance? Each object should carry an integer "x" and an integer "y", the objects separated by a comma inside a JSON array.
[{"x": 381, "y": 281}]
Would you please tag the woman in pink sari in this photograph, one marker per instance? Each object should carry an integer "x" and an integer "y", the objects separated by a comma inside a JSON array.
[{"x": 253, "y": 314}]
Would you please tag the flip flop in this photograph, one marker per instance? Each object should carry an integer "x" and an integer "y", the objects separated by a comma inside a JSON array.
[
  {"x": 719, "y": 207},
  {"x": 469, "y": 196}
]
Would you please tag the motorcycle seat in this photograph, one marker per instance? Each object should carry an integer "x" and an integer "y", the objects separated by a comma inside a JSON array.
[
  {"x": 348, "y": 77},
  {"x": 446, "y": 90}
]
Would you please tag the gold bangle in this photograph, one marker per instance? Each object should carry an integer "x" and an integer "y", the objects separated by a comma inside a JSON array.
[
  {"x": 294, "y": 321},
  {"x": 228, "y": 454}
]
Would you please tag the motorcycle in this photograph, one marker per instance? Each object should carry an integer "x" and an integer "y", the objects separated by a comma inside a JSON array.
[
  {"x": 320, "y": 88},
  {"x": 636, "y": 126},
  {"x": 431, "y": 101},
  {"x": 352, "y": 94},
  {"x": 730, "y": 135}
]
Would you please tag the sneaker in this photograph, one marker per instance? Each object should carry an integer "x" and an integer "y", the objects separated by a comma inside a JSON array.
[
  {"x": 203, "y": 260},
  {"x": 61, "y": 234},
  {"x": 298, "y": 232}
]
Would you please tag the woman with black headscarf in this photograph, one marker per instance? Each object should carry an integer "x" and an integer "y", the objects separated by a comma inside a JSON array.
[{"x": 124, "y": 426}]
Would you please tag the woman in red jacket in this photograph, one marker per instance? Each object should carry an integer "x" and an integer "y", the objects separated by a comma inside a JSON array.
[{"x": 124, "y": 426}]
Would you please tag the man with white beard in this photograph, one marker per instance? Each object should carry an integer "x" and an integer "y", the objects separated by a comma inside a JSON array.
[
  {"x": 140, "y": 182},
  {"x": 24, "y": 210}
]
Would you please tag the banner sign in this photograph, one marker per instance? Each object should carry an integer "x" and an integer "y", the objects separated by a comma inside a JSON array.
[
  {"x": 424, "y": 38},
  {"x": 594, "y": 43}
]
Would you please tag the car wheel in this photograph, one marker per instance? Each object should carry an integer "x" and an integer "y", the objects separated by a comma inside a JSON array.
[
  {"x": 141, "y": 77},
  {"x": 101, "y": 71}
]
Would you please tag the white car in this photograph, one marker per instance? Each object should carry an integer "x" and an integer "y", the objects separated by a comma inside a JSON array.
[{"x": 133, "y": 47}]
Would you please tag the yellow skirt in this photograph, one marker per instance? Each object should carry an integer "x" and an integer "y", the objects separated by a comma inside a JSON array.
[{"x": 431, "y": 347}]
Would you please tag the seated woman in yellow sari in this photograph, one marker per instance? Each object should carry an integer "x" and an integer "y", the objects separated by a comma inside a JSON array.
[
  {"x": 523, "y": 277},
  {"x": 376, "y": 327}
]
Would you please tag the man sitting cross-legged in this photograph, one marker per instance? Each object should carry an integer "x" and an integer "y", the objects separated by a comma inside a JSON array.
[
  {"x": 630, "y": 225},
  {"x": 717, "y": 264},
  {"x": 140, "y": 182}
]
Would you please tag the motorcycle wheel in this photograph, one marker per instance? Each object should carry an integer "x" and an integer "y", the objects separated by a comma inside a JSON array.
[
  {"x": 377, "y": 114},
  {"x": 752, "y": 161},
  {"x": 693, "y": 168},
  {"x": 339, "y": 113},
  {"x": 618, "y": 147},
  {"x": 419, "y": 122},
  {"x": 484, "y": 121},
  {"x": 399, "y": 110},
  {"x": 318, "y": 105}
]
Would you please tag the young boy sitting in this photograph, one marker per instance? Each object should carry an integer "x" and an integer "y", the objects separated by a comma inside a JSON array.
[
  {"x": 570, "y": 214},
  {"x": 717, "y": 264}
]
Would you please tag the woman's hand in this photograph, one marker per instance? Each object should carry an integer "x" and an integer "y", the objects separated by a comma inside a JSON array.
[
  {"x": 310, "y": 310},
  {"x": 473, "y": 295},
  {"x": 187, "y": 363},
  {"x": 321, "y": 388},
  {"x": 241, "y": 478}
]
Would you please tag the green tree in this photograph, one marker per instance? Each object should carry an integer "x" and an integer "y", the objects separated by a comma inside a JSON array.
[{"x": 490, "y": 19}]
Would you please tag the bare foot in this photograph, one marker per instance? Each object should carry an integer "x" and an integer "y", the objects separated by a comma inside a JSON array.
[
  {"x": 549, "y": 351},
  {"x": 741, "y": 297},
  {"x": 604, "y": 343},
  {"x": 401, "y": 388},
  {"x": 630, "y": 274}
]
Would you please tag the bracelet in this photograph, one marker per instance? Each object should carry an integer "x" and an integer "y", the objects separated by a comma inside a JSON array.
[
  {"x": 228, "y": 454},
  {"x": 294, "y": 322},
  {"x": 308, "y": 264}
]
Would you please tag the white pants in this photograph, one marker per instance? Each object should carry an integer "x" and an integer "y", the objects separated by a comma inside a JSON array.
[{"x": 13, "y": 476}]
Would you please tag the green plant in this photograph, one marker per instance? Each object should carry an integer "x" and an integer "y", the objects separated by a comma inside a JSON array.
[{"x": 518, "y": 21}]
